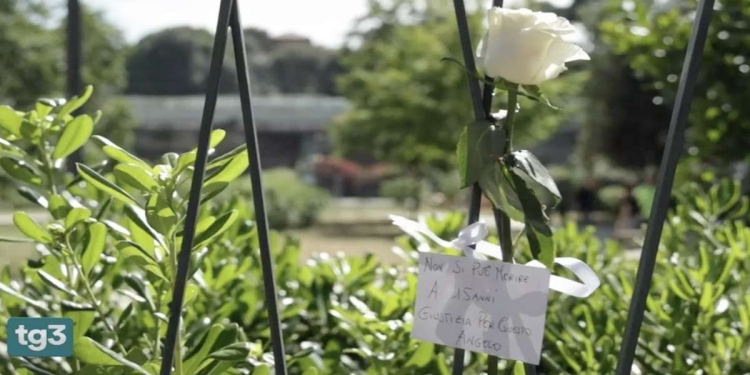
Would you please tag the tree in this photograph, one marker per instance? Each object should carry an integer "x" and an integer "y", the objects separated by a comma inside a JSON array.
[
  {"x": 303, "y": 68},
  {"x": 175, "y": 61},
  {"x": 408, "y": 106},
  {"x": 30, "y": 54},
  {"x": 652, "y": 37},
  {"x": 32, "y": 61}
]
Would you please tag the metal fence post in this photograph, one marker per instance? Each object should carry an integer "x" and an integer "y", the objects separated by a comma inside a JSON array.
[
  {"x": 479, "y": 114},
  {"x": 674, "y": 146},
  {"x": 73, "y": 56},
  {"x": 261, "y": 222},
  {"x": 228, "y": 16}
]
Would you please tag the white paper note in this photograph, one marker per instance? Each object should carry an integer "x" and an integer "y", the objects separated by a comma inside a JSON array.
[{"x": 481, "y": 305}]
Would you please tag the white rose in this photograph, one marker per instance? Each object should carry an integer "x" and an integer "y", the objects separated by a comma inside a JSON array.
[{"x": 526, "y": 47}]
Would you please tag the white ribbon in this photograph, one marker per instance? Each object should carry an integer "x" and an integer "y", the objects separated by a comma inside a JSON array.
[{"x": 475, "y": 234}]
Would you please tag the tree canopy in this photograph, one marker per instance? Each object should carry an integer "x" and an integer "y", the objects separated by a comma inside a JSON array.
[
  {"x": 644, "y": 43},
  {"x": 176, "y": 61},
  {"x": 32, "y": 54},
  {"x": 408, "y": 106}
]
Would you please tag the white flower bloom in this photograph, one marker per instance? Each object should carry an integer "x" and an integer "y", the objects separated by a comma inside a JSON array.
[{"x": 526, "y": 47}]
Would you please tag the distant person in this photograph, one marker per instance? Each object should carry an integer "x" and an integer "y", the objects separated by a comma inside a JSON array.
[
  {"x": 628, "y": 214},
  {"x": 586, "y": 198}
]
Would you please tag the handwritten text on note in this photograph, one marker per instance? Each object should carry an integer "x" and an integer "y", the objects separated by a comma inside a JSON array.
[{"x": 482, "y": 306}]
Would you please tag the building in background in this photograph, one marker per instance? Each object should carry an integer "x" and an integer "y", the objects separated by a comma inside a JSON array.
[
  {"x": 290, "y": 128},
  {"x": 293, "y": 133}
]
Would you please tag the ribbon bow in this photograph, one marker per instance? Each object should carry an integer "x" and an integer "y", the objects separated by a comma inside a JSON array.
[{"x": 475, "y": 234}]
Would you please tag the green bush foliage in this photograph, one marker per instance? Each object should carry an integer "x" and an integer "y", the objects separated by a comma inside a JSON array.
[
  {"x": 290, "y": 202},
  {"x": 403, "y": 190},
  {"x": 107, "y": 261}
]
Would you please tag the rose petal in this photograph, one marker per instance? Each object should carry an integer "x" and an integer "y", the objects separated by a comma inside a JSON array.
[
  {"x": 557, "y": 55},
  {"x": 526, "y": 47},
  {"x": 518, "y": 58}
]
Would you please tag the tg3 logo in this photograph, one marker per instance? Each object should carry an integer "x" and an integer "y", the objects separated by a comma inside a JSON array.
[{"x": 40, "y": 337}]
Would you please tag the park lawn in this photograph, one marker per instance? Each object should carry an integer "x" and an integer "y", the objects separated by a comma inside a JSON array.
[{"x": 341, "y": 232}]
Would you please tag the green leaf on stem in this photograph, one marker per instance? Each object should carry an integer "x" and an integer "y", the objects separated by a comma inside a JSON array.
[
  {"x": 233, "y": 352},
  {"x": 538, "y": 231},
  {"x": 76, "y": 216},
  {"x": 532, "y": 207},
  {"x": 89, "y": 351},
  {"x": 542, "y": 247},
  {"x": 228, "y": 335},
  {"x": 55, "y": 283},
  {"x": 142, "y": 238},
  {"x": 138, "y": 286},
  {"x": 221, "y": 368},
  {"x": 14, "y": 293},
  {"x": 95, "y": 243},
  {"x": 22, "y": 171},
  {"x": 536, "y": 176},
  {"x": 495, "y": 185},
  {"x": 159, "y": 215},
  {"x": 30, "y": 129},
  {"x": 105, "y": 185},
  {"x": 422, "y": 356},
  {"x": 58, "y": 206},
  {"x": 74, "y": 135},
  {"x": 44, "y": 106},
  {"x": 217, "y": 227},
  {"x": 191, "y": 292},
  {"x": 10, "y": 121},
  {"x": 118, "y": 153},
  {"x": 33, "y": 196},
  {"x": 136, "y": 177},
  {"x": 138, "y": 216},
  {"x": 82, "y": 320},
  {"x": 132, "y": 251},
  {"x": 225, "y": 158},
  {"x": 31, "y": 228},
  {"x": 468, "y": 157},
  {"x": 194, "y": 360},
  {"x": 187, "y": 159},
  {"x": 534, "y": 92},
  {"x": 76, "y": 102},
  {"x": 221, "y": 177},
  {"x": 480, "y": 144},
  {"x": 262, "y": 369}
]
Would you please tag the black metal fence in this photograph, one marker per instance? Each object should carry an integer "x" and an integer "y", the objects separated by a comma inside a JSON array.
[{"x": 229, "y": 19}]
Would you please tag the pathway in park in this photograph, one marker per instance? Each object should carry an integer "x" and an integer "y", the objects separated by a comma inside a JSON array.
[{"x": 351, "y": 226}]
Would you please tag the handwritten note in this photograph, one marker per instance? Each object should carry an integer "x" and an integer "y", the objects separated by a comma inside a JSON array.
[{"x": 481, "y": 305}]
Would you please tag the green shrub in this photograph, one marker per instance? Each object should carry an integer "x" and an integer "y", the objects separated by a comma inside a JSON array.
[
  {"x": 403, "y": 190},
  {"x": 610, "y": 197},
  {"x": 108, "y": 257},
  {"x": 290, "y": 202},
  {"x": 447, "y": 185}
]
